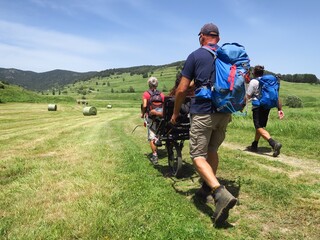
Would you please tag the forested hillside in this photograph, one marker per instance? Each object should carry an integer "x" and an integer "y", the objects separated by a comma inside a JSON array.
[
  {"x": 41, "y": 81},
  {"x": 58, "y": 79}
]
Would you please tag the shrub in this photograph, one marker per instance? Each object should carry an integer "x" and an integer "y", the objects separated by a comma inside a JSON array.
[
  {"x": 131, "y": 90},
  {"x": 293, "y": 102}
]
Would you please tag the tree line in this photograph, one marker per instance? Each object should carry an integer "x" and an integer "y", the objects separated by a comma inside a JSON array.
[{"x": 300, "y": 78}]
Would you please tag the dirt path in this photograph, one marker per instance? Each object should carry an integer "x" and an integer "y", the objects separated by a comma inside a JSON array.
[{"x": 301, "y": 165}]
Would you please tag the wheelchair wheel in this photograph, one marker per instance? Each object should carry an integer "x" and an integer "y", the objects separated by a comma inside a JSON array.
[{"x": 174, "y": 156}]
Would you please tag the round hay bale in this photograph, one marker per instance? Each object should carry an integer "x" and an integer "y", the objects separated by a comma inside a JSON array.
[
  {"x": 88, "y": 111},
  {"x": 52, "y": 107},
  {"x": 109, "y": 106}
]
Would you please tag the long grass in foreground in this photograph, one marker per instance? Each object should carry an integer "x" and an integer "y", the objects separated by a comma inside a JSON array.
[{"x": 67, "y": 176}]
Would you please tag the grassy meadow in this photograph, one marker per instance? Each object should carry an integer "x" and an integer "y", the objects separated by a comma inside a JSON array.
[{"x": 68, "y": 176}]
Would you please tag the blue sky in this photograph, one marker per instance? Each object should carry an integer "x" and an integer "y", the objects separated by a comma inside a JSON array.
[{"x": 94, "y": 35}]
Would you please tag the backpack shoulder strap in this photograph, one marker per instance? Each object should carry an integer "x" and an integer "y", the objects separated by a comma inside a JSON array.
[
  {"x": 156, "y": 91},
  {"x": 150, "y": 92},
  {"x": 211, "y": 50},
  {"x": 214, "y": 54},
  {"x": 148, "y": 102}
]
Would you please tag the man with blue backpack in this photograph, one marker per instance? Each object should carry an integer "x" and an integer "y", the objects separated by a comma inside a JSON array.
[
  {"x": 263, "y": 91},
  {"x": 208, "y": 125}
]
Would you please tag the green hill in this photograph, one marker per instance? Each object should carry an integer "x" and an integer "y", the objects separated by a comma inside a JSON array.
[
  {"x": 124, "y": 86},
  {"x": 58, "y": 79},
  {"x": 41, "y": 81},
  {"x": 14, "y": 93},
  {"x": 116, "y": 85}
]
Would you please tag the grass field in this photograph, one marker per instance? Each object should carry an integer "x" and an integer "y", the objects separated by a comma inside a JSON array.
[{"x": 68, "y": 176}]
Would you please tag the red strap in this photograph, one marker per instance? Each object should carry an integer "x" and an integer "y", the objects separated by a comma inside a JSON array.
[{"x": 232, "y": 75}]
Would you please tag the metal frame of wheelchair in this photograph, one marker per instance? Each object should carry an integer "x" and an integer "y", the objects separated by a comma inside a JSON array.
[{"x": 173, "y": 136}]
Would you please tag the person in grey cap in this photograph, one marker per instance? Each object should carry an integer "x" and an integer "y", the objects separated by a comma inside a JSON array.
[
  {"x": 208, "y": 128},
  {"x": 209, "y": 29},
  {"x": 148, "y": 113}
]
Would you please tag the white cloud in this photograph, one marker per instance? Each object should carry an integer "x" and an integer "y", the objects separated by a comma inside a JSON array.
[
  {"x": 30, "y": 37},
  {"x": 36, "y": 49},
  {"x": 40, "y": 60}
]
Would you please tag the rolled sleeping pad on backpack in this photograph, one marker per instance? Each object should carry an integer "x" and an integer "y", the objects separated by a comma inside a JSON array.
[
  {"x": 52, "y": 107},
  {"x": 89, "y": 111}
]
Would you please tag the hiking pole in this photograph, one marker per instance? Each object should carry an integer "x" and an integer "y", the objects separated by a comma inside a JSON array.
[
  {"x": 145, "y": 123},
  {"x": 136, "y": 128}
]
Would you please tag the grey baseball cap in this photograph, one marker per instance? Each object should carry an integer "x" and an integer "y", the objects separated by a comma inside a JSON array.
[{"x": 209, "y": 29}]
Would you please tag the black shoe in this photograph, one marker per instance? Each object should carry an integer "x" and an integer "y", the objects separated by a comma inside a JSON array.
[
  {"x": 154, "y": 159},
  {"x": 252, "y": 148},
  {"x": 224, "y": 201},
  {"x": 276, "y": 149}
]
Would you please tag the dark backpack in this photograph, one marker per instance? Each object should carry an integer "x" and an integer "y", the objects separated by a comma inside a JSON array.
[
  {"x": 232, "y": 66},
  {"x": 269, "y": 92},
  {"x": 155, "y": 100}
]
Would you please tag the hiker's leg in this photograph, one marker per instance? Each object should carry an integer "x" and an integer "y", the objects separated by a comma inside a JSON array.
[
  {"x": 151, "y": 137},
  {"x": 206, "y": 172},
  {"x": 153, "y": 147},
  {"x": 257, "y": 136},
  {"x": 204, "y": 162},
  {"x": 263, "y": 119},
  {"x": 256, "y": 124},
  {"x": 206, "y": 135},
  {"x": 263, "y": 133},
  {"x": 213, "y": 160},
  {"x": 260, "y": 119},
  {"x": 220, "y": 123}
]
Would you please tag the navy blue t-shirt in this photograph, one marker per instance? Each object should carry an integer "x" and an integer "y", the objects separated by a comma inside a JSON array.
[{"x": 199, "y": 66}]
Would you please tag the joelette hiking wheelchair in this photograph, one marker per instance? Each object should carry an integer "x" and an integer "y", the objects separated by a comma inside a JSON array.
[{"x": 173, "y": 136}]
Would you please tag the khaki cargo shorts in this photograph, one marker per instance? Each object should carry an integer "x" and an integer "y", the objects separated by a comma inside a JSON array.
[{"x": 207, "y": 133}]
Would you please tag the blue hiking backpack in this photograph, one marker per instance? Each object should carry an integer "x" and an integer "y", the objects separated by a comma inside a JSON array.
[
  {"x": 269, "y": 92},
  {"x": 232, "y": 65}
]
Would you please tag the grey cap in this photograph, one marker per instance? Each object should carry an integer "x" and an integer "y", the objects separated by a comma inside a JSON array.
[
  {"x": 209, "y": 29},
  {"x": 153, "y": 82}
]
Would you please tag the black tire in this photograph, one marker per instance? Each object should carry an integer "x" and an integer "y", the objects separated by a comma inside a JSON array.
[{"x": 174, "y": 156}]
